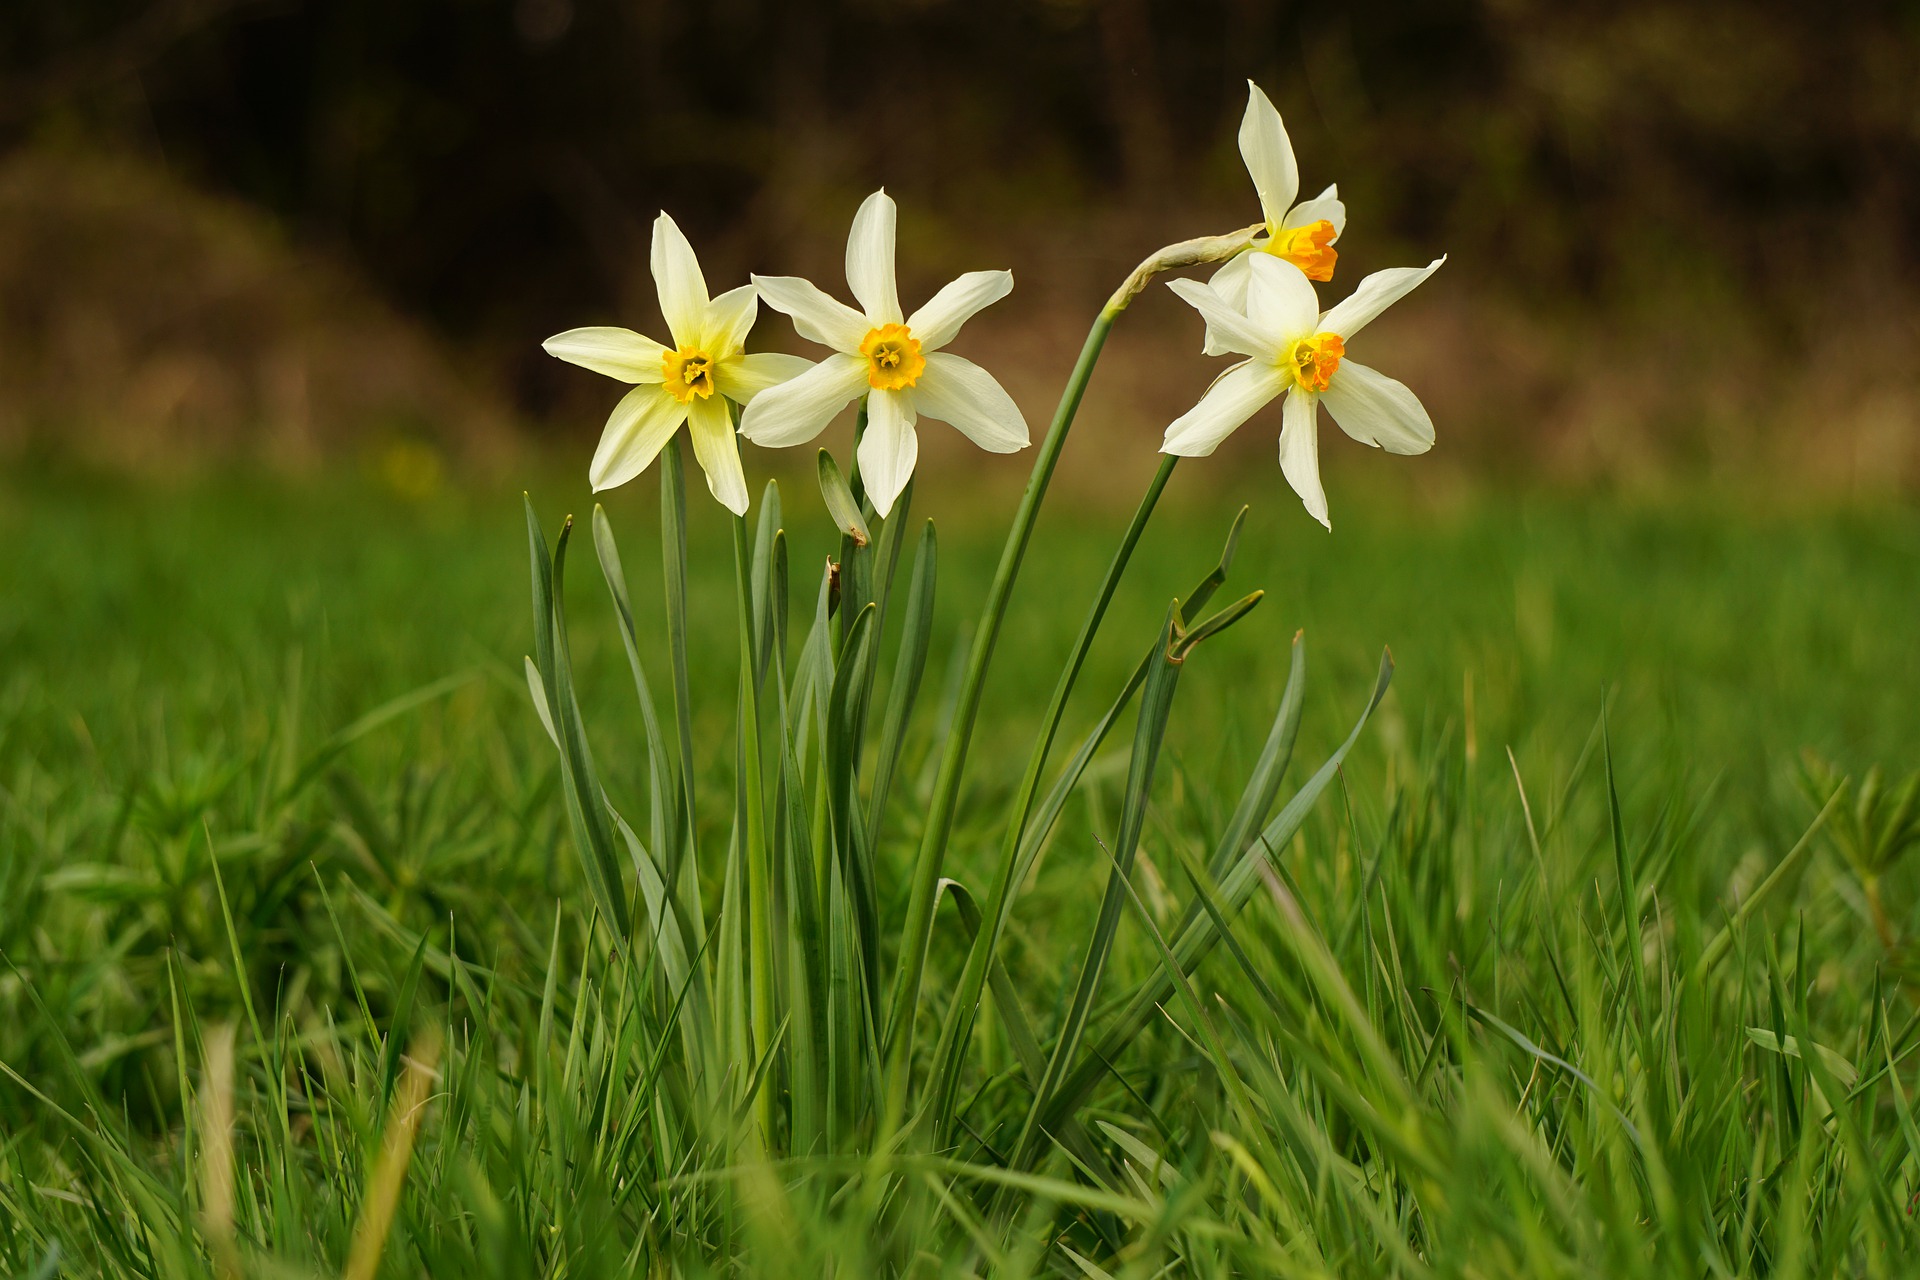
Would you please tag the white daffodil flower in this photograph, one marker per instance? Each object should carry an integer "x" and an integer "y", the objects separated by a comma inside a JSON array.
[
  {"x": 689, "y": 382},
  {"x": 1303, "y": 233},
  {"x": 895, "y": 362},
  {"x": 1295, "y": 351}
]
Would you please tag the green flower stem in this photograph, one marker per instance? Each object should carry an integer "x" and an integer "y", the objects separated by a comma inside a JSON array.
[
  {"x": 754, "y": 839},
  {"x": 960, "y": 1014},
  {"x": 917, "y": 934}
]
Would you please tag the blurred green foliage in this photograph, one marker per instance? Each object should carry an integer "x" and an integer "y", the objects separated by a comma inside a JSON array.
[{"x": 182, "y": 846}]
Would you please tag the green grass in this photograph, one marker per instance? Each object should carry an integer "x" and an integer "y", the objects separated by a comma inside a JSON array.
[{"x": 1438, "y": 1044}]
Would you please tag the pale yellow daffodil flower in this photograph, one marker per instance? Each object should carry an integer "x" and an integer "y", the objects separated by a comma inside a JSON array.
[
  {"x": 689, "y": 382},
  {"x": 895, "y": 361}
]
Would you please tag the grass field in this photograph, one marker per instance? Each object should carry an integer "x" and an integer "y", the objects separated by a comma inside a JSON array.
[{"x": 1483, "y": 1022}]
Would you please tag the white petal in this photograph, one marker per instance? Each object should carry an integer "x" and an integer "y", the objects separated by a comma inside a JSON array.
[
  {"x": 798, "y": 410},
  {"x": 1235, "y": 396},
  {"x": 962, "y": 393},
  {"x": 1227, "y": 329},
  {"x": 1373, "y": 295},
  {"x": 741, "y": 378},
  {"x": 1325, "y": 207},
  {"x": 889, "y": 448},
  {"x": 819, "y": 318},
  {"x": 1300, "y": 453},
  {"x": 729, "y": 319},
  {"x": 618, "y": 353},
  {"x": 1280, "y": 298},
  {"x": 711, "y": 427},
  {"x": 676, "y": 274},
  {"x": 938, "y": 322},
  {"x": 642, "y": 423},
  {"x": 1265, "y": 147},
  {"x": 1230, "y": 282},
  {"x": 1375, "y": 409},
  {"x": 870, "y": 259}
]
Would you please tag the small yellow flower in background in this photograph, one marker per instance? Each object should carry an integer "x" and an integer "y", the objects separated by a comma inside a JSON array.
[
  {"x": 1302, "y": 234},
  {"x": 688, "y": 382},
  {"x": 1295, "y": 351},
  {"x": 895, "y": 362}
]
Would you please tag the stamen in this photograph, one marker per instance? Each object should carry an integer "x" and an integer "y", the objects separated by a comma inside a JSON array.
[
  {"x": 893, "y": 357},
  {"x": 689, "y": 373},
  {"x": 1314, "y": 359}
]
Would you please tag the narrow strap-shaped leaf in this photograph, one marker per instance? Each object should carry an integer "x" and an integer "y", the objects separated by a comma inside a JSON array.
[
  {"x": 812, "y": 671},
  {"x": 765, "y": 625},
  {"x": 664, "y": 780},
  {"x": 1263, "y": 785},
  {"x": 586, "y": 813},
  {"x": 1027, "y": 829},
  {"x": 842, "y": 795},
  {"x": 909, "y": 666},
  {"x": 1199, "y": 937},
  {"x": 916, "y": 932},
  {"x": 806, "y": 970},
  {"x": 673, "y": 564},
  {"x": 400, "y": 1029},
  {"x": 1013, "y": 1014},
  {"x": 879, "y": 569},
  {"x": 1156, "y": 706},
  {"x": 664, "y": 921},
  {"x": 840, "y": 501}
]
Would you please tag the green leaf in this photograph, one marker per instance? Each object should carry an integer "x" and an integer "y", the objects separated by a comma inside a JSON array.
[
  {"x": 586, "y": 806},
  {"x": 400, "y": 1029},
  {"x": 909, "y": 667},
  {"x": 840, "y": 503},
  {"x": 1200, "y": 936},
  {"x": 1156, "y": 705}
]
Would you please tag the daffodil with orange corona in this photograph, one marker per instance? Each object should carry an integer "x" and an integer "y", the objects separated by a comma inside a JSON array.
[
  {"x": 1302, "y": 234},
  {"x": 1294, "y": 351}
]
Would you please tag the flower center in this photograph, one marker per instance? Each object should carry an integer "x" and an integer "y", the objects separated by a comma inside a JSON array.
[
  {"x": 1314, "y": 359},
  {"x": 1309, "y": 248},
  {"x": 893, "y": 357},
  {"x": 689, "y": 374}
]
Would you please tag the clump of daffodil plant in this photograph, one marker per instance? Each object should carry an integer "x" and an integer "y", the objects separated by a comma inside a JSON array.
[{"x": 786, "y": 933}]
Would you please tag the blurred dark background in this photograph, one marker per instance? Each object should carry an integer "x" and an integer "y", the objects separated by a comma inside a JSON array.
[{"x": 1685, "y": 234}]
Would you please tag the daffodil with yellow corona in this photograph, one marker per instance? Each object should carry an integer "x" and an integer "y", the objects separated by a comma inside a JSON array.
[
  {"x": 1302, "y": 234},
  {"x": 894, "y": 360},
  {"x": 1292, "y": 350},
  {"x": 689, "y": 382}
]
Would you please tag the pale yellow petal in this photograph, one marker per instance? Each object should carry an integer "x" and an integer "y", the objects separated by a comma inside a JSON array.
[{"x": 642, "y": 423}]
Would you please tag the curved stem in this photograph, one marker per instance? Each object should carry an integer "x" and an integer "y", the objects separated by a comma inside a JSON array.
[
  {"x": 946, "y": 787},
  {"x": 918, "y": 930},
  {"x": 966, "y": 1001}
]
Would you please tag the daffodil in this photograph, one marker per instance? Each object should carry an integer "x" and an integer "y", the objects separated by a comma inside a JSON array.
[
  {"x": 1294, "y": 351},
  {"x": 895, "y": 361},
  {"x": 689, "y": 382},
  {"x": 1302, "y": 234}
]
